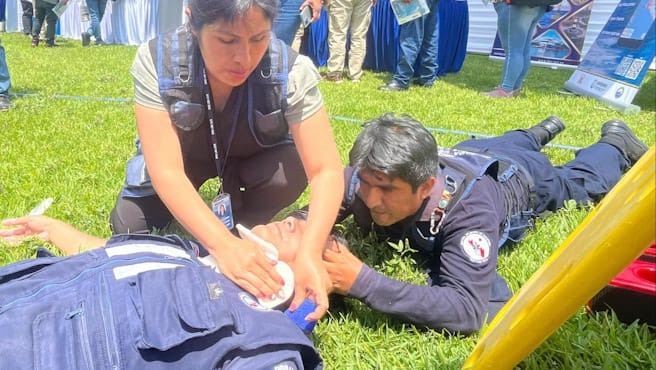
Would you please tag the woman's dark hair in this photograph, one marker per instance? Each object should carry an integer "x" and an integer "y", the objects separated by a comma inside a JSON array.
[{"x": 205, "y": 12}]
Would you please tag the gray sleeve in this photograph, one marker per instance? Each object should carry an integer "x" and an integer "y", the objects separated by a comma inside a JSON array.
[
  {"x": 144, "y": 75},
  {"x": 303, "y": 96}
]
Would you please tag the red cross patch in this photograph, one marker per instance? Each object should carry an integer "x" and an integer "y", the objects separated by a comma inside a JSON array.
[{"x": 476, "y": 246}]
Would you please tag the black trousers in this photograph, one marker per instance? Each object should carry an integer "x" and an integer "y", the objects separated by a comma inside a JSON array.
[
  {"x": 260, "y": 186},
  {"x": 28, "y": 13},
  {"x": 44, "y": 11}
]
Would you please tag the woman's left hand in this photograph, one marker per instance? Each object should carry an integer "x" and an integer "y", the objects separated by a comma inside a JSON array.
[{"x": 311, "y": 282}]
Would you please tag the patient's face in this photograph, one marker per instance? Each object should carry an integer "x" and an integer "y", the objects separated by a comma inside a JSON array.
[{"x": 285, "y": 235}]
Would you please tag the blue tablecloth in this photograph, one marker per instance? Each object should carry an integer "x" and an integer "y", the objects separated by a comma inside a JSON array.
[
  {"x": 383, "y": 43},
  {"x": 2, "y": 12}
]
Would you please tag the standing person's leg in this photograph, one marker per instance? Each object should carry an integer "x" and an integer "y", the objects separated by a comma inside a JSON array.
[
  {"x": 410, "y": 38},
  {"x": 359, "y": 25},
  {"x": 287, "y": 21},
  {"x": 51, "y": 26},
  {"x": 268, "y": 182},
  {"x": 519, "y": 22},
  {"x": 40, "y": 16},
  {"x": 5, "y": 80},
  {"x": 428, "y": 53},
  {"x": 94, "y": 18},
  {"x": 537, "y": 13},
  {"x": 102, "y": 5},
  {"x": 28, "y": 13},
  {"x": 339, "y": 17}
]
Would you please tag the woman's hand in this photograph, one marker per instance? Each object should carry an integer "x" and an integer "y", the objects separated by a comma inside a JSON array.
[
  {"x": 245, "y": 264},
  {"x": 312, "y": 281}
]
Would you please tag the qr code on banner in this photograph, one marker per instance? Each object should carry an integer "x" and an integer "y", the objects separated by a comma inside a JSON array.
[
  {"x": 623, "y": 66},
  {"x": 635, "y": 69}
]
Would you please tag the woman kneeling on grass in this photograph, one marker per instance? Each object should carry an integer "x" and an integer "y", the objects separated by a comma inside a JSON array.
[{"x": 221, "y": 96}]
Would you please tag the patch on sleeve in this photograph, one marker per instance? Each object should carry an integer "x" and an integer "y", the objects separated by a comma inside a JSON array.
[
  {"x": 476, "y": 246},
  {"x": 251, "y": 302}
]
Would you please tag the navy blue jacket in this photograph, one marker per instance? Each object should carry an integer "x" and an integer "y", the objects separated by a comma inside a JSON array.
[
  {"x": 464, "y": 287},
  {"x": 143, "y": 302}
]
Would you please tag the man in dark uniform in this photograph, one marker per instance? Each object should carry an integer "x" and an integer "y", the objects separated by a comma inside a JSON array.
[{"x": 457, "y": 207}]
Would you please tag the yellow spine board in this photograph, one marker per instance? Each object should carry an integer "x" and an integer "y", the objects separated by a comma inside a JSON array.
[{"x": 609, "y": 239}]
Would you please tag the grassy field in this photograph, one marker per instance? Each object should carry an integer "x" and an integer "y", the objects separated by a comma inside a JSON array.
[{"x": 71, "y": 130}]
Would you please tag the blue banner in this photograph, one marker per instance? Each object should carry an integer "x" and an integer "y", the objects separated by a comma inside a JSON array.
[{"x": 618, "y": 60}]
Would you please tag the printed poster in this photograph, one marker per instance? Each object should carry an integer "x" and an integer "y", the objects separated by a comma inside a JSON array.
[
  {"x": 559, "y": 36},
  {"x": 617, "y": 62}
]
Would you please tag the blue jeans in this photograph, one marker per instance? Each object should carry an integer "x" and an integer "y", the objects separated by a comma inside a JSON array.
[
  {"x": 419, "y": 42},
  {"x": 5, "y": 81},
  {"x": 287, "y": 22},
  {"x": 96, "y": 14},
  {"x": 516, "y": 25}
]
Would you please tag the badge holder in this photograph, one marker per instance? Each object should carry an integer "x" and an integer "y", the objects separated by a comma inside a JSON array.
[{"x": 222, "y": 208}]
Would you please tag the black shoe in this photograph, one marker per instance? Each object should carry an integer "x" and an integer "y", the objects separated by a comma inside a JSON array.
[
  {"x": 52, "y": 45},
  {"x": 35, "y": 42},
  {"x": 5, "y": 104},
  {"x": 393, "y": 86},
  {"x": 547, "y": 130},
  {"x": 86, "y": 38},
  {"x": 619, "y": 135},
  {"x": 427, "y": 85}
]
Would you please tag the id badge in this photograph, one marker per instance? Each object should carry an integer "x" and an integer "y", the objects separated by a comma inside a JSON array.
[{"x": 222, "y": 208}]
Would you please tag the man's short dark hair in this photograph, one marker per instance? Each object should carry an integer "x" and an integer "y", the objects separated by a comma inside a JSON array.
[{"x": 398, "y": 146}]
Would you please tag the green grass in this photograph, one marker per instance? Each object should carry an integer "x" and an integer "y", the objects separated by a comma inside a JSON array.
[{"x": 53, "y": 144}]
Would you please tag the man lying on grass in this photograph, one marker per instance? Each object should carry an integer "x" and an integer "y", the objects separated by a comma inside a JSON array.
[
  {"x": 458, "y": 206},
  {"x": 139, "y": 302}
]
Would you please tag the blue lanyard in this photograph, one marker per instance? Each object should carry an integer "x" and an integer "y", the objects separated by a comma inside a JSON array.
[{"x": 220, "y": 165}]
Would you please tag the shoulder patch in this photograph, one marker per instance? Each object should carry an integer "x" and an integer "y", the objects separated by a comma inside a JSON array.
[
  {"x": 476, "y": 246},
  {"x": 251, "y": 302}
]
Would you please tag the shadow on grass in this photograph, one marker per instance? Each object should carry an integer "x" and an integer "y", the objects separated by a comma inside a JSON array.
[{"x": 645, "y": 98}]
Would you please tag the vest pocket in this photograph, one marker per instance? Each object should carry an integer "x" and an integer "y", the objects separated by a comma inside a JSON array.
[
  {"x": 270, "y": 128},
  {"x": 136, "y": 175},
  {"x": 187, "y": 116},
  {"x": 175, "y": 305},
  {"x": 62, "y": 341}
]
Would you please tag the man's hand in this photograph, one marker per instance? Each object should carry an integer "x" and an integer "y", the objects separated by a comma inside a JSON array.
[
  {"x": 343, "y": 267},
  {"x": 60, "y": 234}
]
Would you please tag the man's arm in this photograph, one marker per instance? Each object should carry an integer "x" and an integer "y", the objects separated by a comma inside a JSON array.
[{"x": 62, "y": 235}]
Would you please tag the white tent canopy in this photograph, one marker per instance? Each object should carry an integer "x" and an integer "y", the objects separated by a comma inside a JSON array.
[{"x": 130, "y": 22}]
